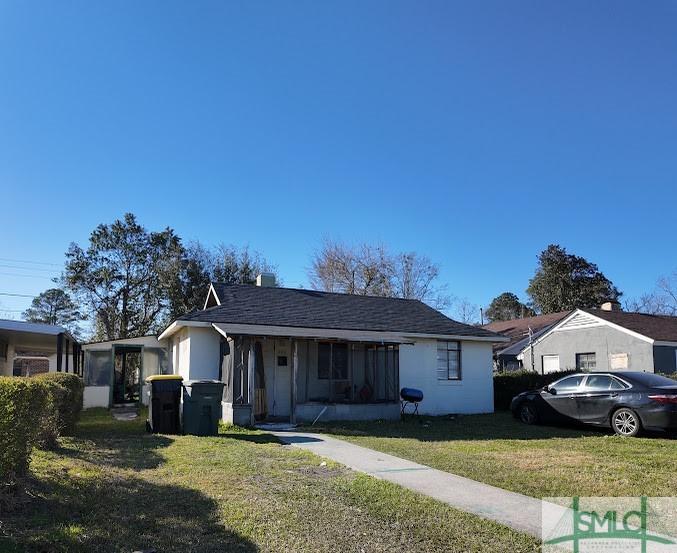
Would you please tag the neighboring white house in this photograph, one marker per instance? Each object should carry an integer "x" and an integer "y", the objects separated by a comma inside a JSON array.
[
  {"x": 294, "y": 354},
  {"x": 115, "y": 370},
  {"x": 28, "y": 349}
]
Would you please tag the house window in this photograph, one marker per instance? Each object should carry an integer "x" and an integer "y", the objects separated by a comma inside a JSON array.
[
  {"x": 586, "y": 361},
  {"x": 3, "y": 350},
  {"x": 448, "y": 360},
  {"x": 332, "y": 361},
  {"x": 29, "y": 366}
]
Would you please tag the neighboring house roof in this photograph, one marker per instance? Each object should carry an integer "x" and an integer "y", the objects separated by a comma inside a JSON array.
[
  {"x": 518, "y": 330},
  {"x": 515, "y": 348},
  {"x": 655, "y": 329},
  {"x": 35, "y": 328},
  {"x": 661, "y": 328},
  {"x": 290, "y": 307}
]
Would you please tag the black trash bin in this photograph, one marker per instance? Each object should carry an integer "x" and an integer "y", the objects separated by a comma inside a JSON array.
[
  {"x": 201, "y": 407},
  {"x": 164, "y": 403}
]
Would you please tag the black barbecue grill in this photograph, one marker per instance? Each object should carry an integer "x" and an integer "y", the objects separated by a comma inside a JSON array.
[{"x": 410, "y": 396}]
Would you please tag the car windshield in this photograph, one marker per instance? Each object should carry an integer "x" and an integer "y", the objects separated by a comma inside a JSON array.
[{"x": 652, "y": 380}]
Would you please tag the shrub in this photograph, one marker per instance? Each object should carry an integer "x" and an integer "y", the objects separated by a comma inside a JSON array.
[
  {"x": 22, "y": 405},
  {"x": 508, "y": 385},
  {"x": 64, "y": 403}
]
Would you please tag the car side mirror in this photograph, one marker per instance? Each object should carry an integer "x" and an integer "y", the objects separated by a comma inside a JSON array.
[{"x": 550, "y": 390}]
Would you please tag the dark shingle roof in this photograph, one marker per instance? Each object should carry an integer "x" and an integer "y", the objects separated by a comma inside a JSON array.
[
  {"x": 657, "y": 327},
  {"x": 246, "y": 304}
]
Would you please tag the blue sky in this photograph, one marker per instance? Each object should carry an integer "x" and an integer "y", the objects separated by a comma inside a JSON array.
[{"x": 472, "y": 132}]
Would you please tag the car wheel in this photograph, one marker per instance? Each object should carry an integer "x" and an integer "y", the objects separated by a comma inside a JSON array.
[
  {"x": 527, "y": 414},
  {"x": 625, "y": 422}
]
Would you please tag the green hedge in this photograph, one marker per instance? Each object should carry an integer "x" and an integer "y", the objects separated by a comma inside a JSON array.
[
  {"x": 65, "y": 393},
  {"x": 508, "y": 385},
  {"x": 35, "y": 412},
  {"x": 22, "y": 405}
]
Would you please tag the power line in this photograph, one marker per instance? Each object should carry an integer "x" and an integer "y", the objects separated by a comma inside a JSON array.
[
  {"x": 30, "y": 262},
  {"x": 27, "y": 268},
  {"x": 26, "y": 276},
  {"x": 16, "y": 295}
]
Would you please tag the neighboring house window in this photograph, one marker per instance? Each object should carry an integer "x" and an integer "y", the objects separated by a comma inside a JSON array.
[
  {"x": 332, "y": 361},
  {"x": 618, "y": 361},
  {"x": 586, "y": 361},
  {"x": 550, "y": 363},
  {"x": 3, "y": 350},
  {"x": 29, "y": 366},
  {"x": 448, "y": 360}
]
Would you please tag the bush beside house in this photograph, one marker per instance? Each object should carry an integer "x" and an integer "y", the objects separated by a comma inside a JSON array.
[
  {"x": 63, "y": 406},
  {"x": 35, "y": 412},
  {"x": 508, "y": 385}
]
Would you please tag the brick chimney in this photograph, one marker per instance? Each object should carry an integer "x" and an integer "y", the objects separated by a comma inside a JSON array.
[
  {"x": 266, "y": 279},
  {"x": 612, "y": 305}
]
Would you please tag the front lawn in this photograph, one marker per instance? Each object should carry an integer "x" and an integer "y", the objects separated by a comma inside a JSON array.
[
  {"x": 539, "y": 461},
  {"x": 115, "y": 488}
]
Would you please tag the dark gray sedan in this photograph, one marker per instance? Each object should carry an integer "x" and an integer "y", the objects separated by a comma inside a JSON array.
[{"x": 628, "y": 402}]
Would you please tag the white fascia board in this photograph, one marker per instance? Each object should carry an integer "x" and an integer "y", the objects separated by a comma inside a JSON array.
[
  {"x": 211, "y": 292},
  {"x": 178, "y": 325},
  {"x": 492, "y": 339},
  {"x": 227, "y": 329}
]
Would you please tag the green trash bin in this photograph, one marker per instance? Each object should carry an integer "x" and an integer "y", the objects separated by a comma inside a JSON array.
[
  {"x": 164, "y": 403},
  {"x": 201, "y": 407}
]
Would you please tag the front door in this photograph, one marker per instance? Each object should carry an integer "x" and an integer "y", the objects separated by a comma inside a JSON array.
[{"x": 282, "y": 381}]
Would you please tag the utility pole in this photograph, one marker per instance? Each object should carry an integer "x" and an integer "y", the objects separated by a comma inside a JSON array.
[
  {"x": 531, "y": 349},
  {"x": 481, "y": 316}
]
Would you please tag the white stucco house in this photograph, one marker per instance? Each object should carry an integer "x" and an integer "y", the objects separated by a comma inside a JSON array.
[
  {"x": 293, "y": 354},
  {"x": 27, "y": 349}
]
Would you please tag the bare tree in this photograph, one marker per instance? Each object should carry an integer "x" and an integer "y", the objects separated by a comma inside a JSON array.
[
  {"x": 465, "y": 311},
  {"x": 661, "y": 301},
  {"x": 372, "y": 270},
  {"x": 365, "y": 270}
]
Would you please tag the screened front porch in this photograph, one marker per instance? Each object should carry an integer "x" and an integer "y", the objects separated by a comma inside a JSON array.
[{"x": 292, "y": 379}]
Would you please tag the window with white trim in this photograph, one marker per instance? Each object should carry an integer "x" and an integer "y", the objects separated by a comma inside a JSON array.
[
  {"x": 586, "y": 361},
  {"x": 448, "y": 360}
]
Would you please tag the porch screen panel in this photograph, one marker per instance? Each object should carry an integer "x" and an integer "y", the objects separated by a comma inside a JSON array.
[
  {"x": 362, "y": 389},
  {"x": 98, "y": 368},
  {"x": 382, "y": 368},
  {"x": 241, "y": 371},
  {"x": 392, "y": 373},
  {"x": 227, "y": 373}
]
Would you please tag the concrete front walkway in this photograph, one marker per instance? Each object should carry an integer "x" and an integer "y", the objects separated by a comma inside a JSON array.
[{"x": 517, "y": 511}]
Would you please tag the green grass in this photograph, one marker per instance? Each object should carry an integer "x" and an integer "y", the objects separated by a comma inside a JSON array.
[
  {"x": 540, "y": 461},
  {"x": 113, "y": 487}
]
